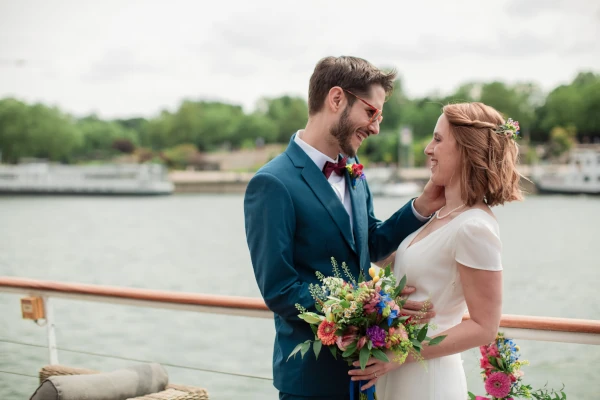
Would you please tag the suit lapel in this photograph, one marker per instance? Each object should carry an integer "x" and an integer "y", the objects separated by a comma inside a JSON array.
[
  {"x": 357, "y": 199},
  {"x": 322, "y": 190}
]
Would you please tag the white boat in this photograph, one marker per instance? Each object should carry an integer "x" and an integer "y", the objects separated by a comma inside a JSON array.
[
  {"x": 110, "y": 179},
  {"x": 580, "y": 176},
  {"x": 382, "y": 183},
  {"x": 401, "y": 189}
]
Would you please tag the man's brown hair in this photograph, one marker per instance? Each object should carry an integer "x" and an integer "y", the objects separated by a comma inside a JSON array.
[{"x": 349, "y": 73}]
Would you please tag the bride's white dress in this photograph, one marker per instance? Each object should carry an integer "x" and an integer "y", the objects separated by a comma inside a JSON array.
[{"x": 471, "y": 238}]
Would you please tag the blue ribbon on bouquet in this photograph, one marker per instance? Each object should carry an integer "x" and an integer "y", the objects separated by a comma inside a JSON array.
[{"x": 370, "y": 392}]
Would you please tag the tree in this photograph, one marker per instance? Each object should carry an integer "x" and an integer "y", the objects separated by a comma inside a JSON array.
[
  {"x": 288, "y": 113},
  {"x": 561, "y": 140},
  {"x": 123, "y": 145},
  {"x": 574, "y": 105},
  {"x": 99, "y": 135},
  {"x": 36, "y": 131}
]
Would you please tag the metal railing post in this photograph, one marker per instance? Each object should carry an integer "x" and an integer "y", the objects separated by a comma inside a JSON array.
[{"x": 53, "y": 352}]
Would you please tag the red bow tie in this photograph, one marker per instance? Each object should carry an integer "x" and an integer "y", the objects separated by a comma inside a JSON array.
[{"x": 337, "y": 167}]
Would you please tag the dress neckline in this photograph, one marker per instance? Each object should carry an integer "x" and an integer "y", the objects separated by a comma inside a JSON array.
[{"x": 412, "y": 242}]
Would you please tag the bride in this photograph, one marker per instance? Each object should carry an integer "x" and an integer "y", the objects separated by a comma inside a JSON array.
[{"x": 454, "y": 260}]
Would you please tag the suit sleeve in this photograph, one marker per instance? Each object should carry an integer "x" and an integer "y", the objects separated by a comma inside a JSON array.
[
  {"x": 385, "y": 237},
  {"x": 270, "y": 226}
]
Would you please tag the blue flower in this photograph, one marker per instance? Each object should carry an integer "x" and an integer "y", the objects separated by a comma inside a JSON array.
[
  {"x": 393, "y": 315},
  {"x": 383, "y": 302}
]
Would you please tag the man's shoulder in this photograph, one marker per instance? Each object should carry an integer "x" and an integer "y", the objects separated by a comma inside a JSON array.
[{"x": 278, "y": 167}]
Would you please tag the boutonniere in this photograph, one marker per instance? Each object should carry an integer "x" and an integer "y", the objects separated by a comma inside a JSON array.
[{"x": 355, "y": 171}]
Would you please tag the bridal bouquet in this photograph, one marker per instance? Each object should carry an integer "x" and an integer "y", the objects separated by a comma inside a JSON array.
[
  {"x": 502, "y": 374},
  {"x": 360, "y": 319}
]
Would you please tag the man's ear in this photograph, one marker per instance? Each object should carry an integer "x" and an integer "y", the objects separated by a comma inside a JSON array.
[{"x": 335, "y": 100}]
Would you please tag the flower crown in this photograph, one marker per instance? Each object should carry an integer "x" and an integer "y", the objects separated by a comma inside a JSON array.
[{"x": 509, "y": 129}]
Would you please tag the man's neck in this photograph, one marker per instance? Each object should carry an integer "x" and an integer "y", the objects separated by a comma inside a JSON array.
[{"x": 318, "y": 136}]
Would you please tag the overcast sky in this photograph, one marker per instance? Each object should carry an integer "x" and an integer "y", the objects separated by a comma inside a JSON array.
[{"x": 127, "y": 58}]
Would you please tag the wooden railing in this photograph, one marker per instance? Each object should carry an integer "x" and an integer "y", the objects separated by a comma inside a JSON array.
[{"x": 515, "y": 326}]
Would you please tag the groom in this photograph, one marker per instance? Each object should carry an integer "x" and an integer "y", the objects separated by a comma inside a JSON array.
[{"x": 302, "y": 208}]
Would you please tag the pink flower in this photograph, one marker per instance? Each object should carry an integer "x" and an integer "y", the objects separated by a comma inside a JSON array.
[
  {"x": 489, "y": 350},
  {"x": 485, "y": 363},
  {"x": 346, "y": 339},
  {"x": 516, "y": 375},
  {"x": 357, "y": 170},
  {"x": 481, "y": 398},
  {"x": 498, "y": 385},
  {"x": 370, "y": 306},
  {"x": 483, "y": 350},
  {"x": 401, "y": 330},
  {"x": 493, "y": 350},
  {"x": 361, "y": 342}
]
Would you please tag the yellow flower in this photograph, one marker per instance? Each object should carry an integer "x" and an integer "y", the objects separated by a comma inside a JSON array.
[
  {"x": 372, "y": 272},
  {"x": 376, "y": 279}
]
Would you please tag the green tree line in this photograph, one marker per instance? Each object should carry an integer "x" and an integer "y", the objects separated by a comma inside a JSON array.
[{"x": 567, "y": 113}]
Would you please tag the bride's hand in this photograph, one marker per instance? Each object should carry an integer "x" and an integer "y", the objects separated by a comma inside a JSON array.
[
  {"x": 421, "y": 311},
  {"x": 374, "y": 370}
]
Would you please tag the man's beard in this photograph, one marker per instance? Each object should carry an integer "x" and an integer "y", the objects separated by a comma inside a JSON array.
[{"x": 343, "y": 132}]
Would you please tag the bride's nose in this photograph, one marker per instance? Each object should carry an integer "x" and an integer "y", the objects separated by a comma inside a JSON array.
[{"x": 429, "y": 149}]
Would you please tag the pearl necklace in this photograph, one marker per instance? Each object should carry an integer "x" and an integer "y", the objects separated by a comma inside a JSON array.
[{"x": 437, "y": 214}]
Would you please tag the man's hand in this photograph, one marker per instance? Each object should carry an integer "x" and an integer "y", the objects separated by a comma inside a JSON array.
[
  {"x": 422, "y": 311},
  {"x": 432, "y": 199}
]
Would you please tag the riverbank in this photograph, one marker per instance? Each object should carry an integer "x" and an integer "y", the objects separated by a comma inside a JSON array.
[{"x": 220, "y": 182}]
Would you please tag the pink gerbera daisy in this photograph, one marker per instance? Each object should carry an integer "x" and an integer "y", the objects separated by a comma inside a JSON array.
[{"x": 498, "y": 385}]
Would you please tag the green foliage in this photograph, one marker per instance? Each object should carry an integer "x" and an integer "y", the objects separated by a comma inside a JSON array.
[
  {"x": 181, "y": 156},
  {"x": 287, "y": 113},
  {"x": 36, "y": 130},
  {"x": 561, "y": 140},
  {"x": 98, "y": 137},
  {"x": 574, "y": 105}
]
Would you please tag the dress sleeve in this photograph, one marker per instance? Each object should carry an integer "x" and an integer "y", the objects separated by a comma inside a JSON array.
[{"x": 478, "y": 245}]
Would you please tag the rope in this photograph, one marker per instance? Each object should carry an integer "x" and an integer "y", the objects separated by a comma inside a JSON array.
[{"x": 2, "y": 340}]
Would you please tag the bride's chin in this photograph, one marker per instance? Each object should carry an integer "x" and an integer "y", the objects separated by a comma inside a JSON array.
[{"x": 434, "y": 179}]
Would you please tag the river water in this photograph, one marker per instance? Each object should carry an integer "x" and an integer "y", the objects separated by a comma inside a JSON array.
[{"x": 196, "y": 243}]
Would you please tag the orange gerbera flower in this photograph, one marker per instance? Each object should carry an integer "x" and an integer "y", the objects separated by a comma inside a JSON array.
[{"x": 326, "y": 333}]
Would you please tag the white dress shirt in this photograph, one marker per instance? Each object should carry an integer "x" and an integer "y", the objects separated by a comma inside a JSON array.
[{"x": 337, "y": 182}]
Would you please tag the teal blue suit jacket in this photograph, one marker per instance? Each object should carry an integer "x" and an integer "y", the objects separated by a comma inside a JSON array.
[{"x": 295, "y": 223}]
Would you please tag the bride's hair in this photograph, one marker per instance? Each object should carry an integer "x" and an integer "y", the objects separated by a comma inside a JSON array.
[{"x": 488, "y": 157}]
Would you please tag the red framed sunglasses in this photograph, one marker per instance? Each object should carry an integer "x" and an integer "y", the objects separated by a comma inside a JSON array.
[{"x": 377, "y": 113}]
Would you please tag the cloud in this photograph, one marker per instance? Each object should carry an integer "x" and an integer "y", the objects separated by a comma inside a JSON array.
[
  {"x": 118, "y": 64},
  {"x": 429, "y": 48},
  {"x": 539, "y": 8},
  {"x": 534, "y": 8}
]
